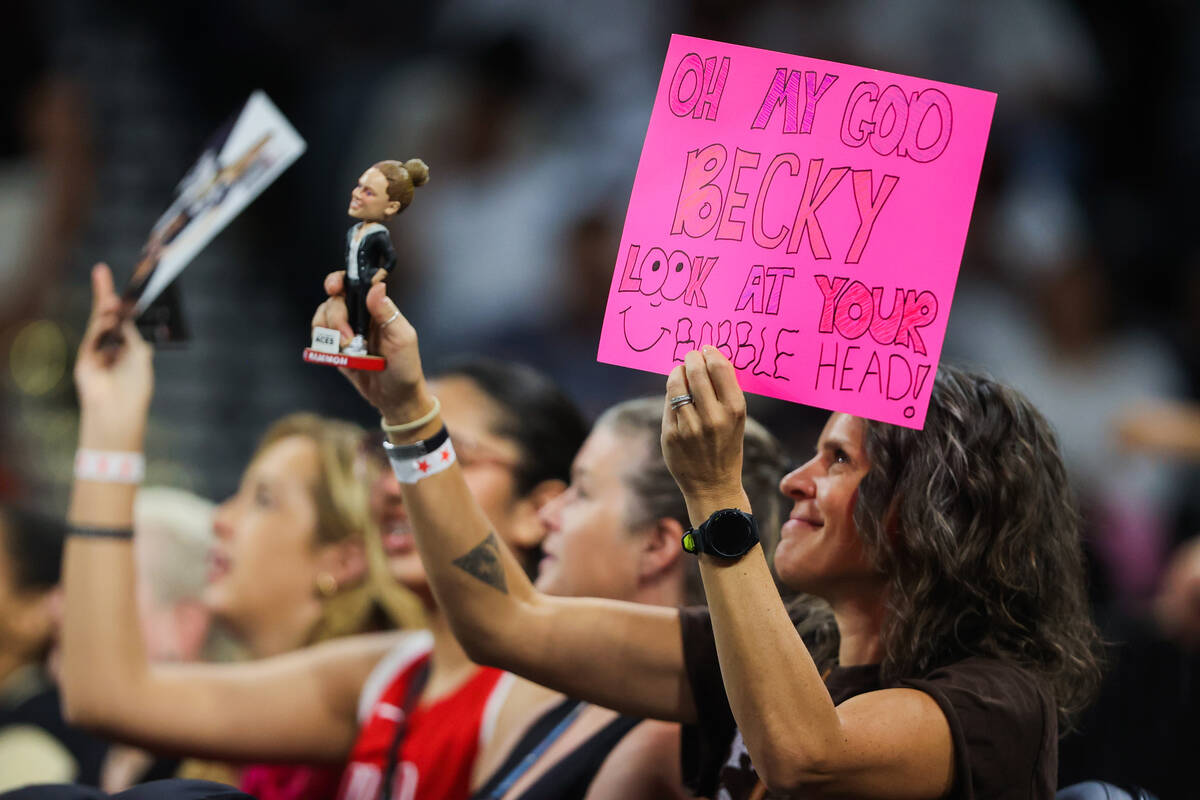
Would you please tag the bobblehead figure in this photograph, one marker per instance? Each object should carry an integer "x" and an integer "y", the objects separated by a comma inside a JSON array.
[{"x": 383, "y": 191}]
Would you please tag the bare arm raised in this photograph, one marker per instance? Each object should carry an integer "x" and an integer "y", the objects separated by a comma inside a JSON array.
[
  {"x": 620, "y": 655},
  {"x": 889, "y": 743},
  {"x": 299, "y": 706}
]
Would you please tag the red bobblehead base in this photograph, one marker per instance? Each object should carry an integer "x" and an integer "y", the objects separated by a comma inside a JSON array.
[{"x": 366, "y": 363}]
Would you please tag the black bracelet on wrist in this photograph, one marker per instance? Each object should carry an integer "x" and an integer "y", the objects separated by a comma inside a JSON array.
[
  {"x": 100, "y": 533},
  {"x": 423, "y": 447}
]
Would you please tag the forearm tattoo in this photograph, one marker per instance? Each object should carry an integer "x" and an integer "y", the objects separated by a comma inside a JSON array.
[{"x": 483, "y": 562}]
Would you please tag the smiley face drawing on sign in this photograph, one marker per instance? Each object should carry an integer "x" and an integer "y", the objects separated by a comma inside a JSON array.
[{"x": 660, "y": 277}]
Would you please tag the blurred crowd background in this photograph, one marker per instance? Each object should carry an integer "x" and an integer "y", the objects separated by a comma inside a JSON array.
[{"x": 1080, "y": 283}]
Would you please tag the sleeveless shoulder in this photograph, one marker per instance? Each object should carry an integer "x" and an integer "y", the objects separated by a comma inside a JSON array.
[{"x": 410, "y": 647}]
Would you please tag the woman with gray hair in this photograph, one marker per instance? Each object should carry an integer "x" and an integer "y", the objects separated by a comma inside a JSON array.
[
  {"x": 624, "y": 448},
  {"x": 614, "y": 534}
]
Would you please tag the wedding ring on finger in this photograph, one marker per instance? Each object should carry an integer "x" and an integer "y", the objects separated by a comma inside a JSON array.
[
  {"x": 390, "y": 319},
  {"x": 680, "y": 400}
]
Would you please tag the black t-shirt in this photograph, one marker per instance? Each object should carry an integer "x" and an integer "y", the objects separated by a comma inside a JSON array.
[{"x": 1002, "y": 719}]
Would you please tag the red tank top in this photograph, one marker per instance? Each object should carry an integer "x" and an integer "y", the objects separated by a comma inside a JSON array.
[{"x": 440, "y": 744}]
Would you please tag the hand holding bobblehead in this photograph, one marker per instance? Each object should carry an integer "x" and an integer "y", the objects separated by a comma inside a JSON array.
[
  {"x": 398, "y": 391},
  {"x": 383, "y": 190}
]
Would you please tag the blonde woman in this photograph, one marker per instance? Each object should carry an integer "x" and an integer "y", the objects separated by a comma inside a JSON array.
[{"x": 288, "y": 569}]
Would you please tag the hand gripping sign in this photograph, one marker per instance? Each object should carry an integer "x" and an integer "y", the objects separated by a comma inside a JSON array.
[{"x": 805, "y": 217}]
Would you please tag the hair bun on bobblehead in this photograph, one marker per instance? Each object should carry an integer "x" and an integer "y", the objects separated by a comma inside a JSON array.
[{"x": 383, "y": 191}]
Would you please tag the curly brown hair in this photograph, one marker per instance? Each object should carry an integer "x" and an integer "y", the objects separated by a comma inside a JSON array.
[{"x": 973, "y": 521}]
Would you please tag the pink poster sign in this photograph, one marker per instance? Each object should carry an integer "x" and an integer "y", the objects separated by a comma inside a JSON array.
[{"x": 805, "y": 217}]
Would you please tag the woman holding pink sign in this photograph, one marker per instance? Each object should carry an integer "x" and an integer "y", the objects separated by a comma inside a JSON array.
[{"x": 958, "y": 640}]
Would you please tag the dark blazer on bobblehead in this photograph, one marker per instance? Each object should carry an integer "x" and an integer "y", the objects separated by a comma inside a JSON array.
[{"x": 374, "y": 253}]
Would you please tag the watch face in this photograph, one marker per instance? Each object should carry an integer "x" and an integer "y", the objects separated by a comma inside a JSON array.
[{"x": 731, "y": 533}]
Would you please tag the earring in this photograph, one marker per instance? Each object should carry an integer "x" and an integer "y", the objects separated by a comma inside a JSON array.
[{"x": 327, "y": 585}]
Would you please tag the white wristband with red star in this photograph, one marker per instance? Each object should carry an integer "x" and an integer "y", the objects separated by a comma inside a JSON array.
[
  {"x": 105, "y": 466},
  {"x": 412, "y": 462}
]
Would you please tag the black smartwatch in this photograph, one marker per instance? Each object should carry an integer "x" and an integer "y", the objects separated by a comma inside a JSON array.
[{"x": 728, "y": 533}]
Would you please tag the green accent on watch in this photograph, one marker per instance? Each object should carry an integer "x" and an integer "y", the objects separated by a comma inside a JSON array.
[{"x": 728, "y": 533}]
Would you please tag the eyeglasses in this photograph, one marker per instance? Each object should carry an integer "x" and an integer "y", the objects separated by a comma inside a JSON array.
[{"x": 471, "y": 454}]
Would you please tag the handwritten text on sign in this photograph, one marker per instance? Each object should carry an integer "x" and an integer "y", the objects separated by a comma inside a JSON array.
[{"x": 805, "y": 217}]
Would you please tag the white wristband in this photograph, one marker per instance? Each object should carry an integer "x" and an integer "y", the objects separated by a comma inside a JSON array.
[
  {"x": 105, "y": 466},
  {"x": 411, "y": 470}
]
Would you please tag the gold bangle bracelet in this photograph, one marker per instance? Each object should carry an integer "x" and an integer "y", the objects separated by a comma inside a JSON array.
[{"x": 416, "y": 423}]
